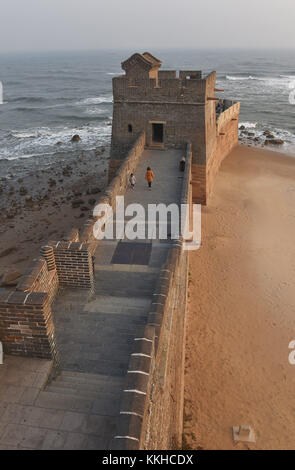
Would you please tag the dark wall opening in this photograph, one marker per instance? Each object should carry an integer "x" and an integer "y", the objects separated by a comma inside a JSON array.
[
  {"x": 130, "y": 128},
  {"x": 158, "y": 133}
]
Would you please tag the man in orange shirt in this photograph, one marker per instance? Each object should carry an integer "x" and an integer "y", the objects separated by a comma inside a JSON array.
[{"x": 149, "y": 176}]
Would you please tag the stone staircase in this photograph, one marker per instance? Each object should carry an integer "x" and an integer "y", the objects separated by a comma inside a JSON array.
[
  {"x": 95, "y": 337},
  {"x": 125, "y": 283},
  {"x": 83, "y": 393}
]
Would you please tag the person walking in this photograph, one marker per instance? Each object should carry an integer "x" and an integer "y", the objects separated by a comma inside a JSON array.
[
  {"x": 132, "y": 180},
  {"x": 149, "y": 176}
]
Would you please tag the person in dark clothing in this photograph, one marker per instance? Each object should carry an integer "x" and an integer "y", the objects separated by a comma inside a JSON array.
[
  {"x": 182, "y": 164},
  {"x": 93, "y": 265}
]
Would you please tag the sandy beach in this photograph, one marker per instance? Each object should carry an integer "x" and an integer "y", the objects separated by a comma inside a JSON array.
[{"x": 241, "y": 307}]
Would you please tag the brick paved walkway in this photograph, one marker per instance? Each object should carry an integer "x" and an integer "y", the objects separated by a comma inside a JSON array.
[{"x": 79, "y": 408}]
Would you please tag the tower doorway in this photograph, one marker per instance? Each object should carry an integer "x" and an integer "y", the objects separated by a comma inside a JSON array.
[{"x": 158, "y": 133}]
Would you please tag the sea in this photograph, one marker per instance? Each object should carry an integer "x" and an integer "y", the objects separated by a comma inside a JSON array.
[{"x": 49, "y": 97}]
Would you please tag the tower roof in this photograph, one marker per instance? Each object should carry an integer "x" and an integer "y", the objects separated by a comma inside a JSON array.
[
  {"x": 152, "y": 59},
  {"x": 146, "y": 60}
]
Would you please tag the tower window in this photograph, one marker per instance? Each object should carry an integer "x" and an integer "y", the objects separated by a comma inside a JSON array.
[{"x": 129, "y": 127}]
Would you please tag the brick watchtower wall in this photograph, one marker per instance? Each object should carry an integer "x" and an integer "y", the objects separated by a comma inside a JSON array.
[
  {"x": 26, "y": 324},
  {"x": 185, "y": 107}
]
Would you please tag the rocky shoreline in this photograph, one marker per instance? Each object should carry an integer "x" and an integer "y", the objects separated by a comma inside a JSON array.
[
  {"x": 267, "y": 138},
  {"x": 46, "y": 203}
]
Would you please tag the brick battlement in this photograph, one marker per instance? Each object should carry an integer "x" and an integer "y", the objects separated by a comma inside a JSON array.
[
  {"x": 172, "y": 108},
  {"x": 167, "y": 88}
]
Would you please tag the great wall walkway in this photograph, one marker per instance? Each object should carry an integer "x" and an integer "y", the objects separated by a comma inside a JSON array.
[{"x": 79, "y": 408}]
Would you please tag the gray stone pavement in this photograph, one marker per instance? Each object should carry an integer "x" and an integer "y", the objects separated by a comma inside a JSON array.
[{"x": 95, "y": 332}]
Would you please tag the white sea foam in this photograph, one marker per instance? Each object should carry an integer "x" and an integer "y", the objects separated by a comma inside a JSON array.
[
  {"x": 231, "y": 78},
  {"x": 258, "y": 129},
  {"x": 248, "y": 125},
  {"x": 94, "y": 111},
  {"x": 282, "y": 82},
  {"x": 96, "y": 100},
  {"x": 42, "y": 141}
]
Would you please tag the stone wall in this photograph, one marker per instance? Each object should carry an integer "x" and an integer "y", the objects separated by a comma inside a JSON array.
[
  {"x": 26, "y": 324},
  {"x": 39, "y": 279},
  {"x": 178, "y": 103},
  {"x": 117, "y": 187},
  {"x": 151, "y": 414},
  {"x": 221, "y": 137},
  {"x": 118, "y": 177},
  {"x": 227, "y": 130},
  {"x": 73, "y": 264}
]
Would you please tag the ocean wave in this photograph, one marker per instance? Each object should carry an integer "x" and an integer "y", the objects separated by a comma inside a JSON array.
[
  {"x": 96, "y": 100},
  {"x": 248, "y": 125},
  {"x": 28, "y": 99},
  {"x": 258, "y": 130},
  {"x": 81, "y": 118},
  {"x": 282, "y": 82},
  {"x": 238, "y": 78},
  {"x": 95, "y": 111},
  {"x": 42, "y": 141},
  {"x": 28, "y": 108},
  {"x": 23, "y": 157},
  {"x": 24, "y": 135}
]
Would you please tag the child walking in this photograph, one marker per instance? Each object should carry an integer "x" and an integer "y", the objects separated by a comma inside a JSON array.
[
  {"x": 149, "y": 176},
  {"x": 132, "y": 180}
]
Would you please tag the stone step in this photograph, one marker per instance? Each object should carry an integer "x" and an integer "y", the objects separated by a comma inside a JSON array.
[
  {"x": 124, "y": 284},
  {"x": 61, "y": 401},
  {"x": 104, "y": 405},
  {"x": 82, "y": 365},
  {"x": 74, "y": 392},
  {"x": 84, "y": 377},
  {"x": 105, "y": 320},
  {"x": 83, "y": 393},
  {"x": 71, "y": 383}
]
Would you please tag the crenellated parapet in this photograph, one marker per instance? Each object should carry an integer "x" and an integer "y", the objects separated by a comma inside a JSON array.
[{"x": 171, "y": 108}]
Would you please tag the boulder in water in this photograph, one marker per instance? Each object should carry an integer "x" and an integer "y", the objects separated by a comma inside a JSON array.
[{"x": 274, "y": 142}]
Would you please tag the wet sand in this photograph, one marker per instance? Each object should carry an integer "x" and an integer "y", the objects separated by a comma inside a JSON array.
[
  {"x": 241, "y": 312},
  {"x": 26, "y": 225}
]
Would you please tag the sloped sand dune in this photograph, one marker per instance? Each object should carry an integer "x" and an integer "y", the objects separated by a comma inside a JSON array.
[{"x": 241, "y": 314}]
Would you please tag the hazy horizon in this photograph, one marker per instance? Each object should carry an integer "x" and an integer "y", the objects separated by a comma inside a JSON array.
[
  {"x": 68, "y": 25},
  {"x": 147, "y": 48}
]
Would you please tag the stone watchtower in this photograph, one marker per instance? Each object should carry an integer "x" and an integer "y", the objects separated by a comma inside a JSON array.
[{"x": 173, "y": 108}]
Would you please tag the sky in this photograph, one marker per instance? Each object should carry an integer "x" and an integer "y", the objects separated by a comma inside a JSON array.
[{"x": 49, "y": 25}]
